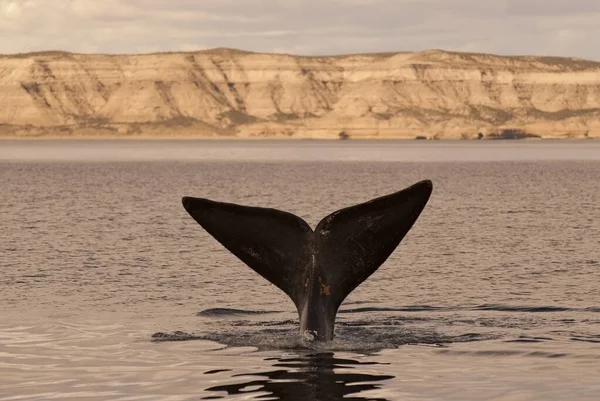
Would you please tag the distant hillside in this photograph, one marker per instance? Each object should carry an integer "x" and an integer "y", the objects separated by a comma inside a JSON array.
[{"x": 225, "y": 92}]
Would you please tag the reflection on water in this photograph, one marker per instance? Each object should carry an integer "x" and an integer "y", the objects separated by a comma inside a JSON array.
[
  {"x": 96, "y": 254},
  {"x": 319, "y": 376}
]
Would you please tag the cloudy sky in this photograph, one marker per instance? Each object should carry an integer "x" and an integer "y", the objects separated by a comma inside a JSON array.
[{"x": 540, "y": 27}]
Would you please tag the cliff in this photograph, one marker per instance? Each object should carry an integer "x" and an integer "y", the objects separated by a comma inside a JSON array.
[{"x": 224, "y": 92}]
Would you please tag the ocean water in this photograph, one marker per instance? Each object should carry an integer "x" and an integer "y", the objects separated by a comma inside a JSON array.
[{"x": 110, "y": 291}]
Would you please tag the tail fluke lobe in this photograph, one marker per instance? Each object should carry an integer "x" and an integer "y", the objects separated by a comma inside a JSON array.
[
  {"x": 353, "y": 242},
  {"x": 275, "y": 244},
  {"x": 317, "y": 270}
]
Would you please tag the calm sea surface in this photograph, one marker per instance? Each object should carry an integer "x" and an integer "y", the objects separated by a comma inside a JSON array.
[{"x": 493, "y": 295}]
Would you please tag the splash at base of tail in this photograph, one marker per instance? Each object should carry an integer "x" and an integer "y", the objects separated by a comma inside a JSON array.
[{"x": 316, "y": 269}]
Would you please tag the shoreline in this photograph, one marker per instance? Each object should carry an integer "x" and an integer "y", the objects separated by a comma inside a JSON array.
[{"x": 92, "y": 138}]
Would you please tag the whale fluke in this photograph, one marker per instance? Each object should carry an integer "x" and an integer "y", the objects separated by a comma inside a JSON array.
[{"x": 316, "y": 269}]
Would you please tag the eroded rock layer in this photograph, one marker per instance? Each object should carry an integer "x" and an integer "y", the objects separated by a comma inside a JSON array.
[{"x": 224, "y": 92}]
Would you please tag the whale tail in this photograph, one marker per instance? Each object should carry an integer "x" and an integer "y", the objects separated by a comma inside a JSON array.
[{"x": 316, "y": 269}]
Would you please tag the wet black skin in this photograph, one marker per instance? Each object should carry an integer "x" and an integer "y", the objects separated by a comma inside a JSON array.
[{"x": 316, "y": 269}]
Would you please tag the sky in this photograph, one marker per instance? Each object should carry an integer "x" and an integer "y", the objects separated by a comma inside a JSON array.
[{"x": 308, "y": 27}]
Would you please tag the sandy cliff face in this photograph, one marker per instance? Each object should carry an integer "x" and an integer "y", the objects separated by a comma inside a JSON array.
[{"x": 233, "y": 93}]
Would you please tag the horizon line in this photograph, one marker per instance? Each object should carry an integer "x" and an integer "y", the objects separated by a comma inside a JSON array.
[{"x": 234, "y": 50}]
